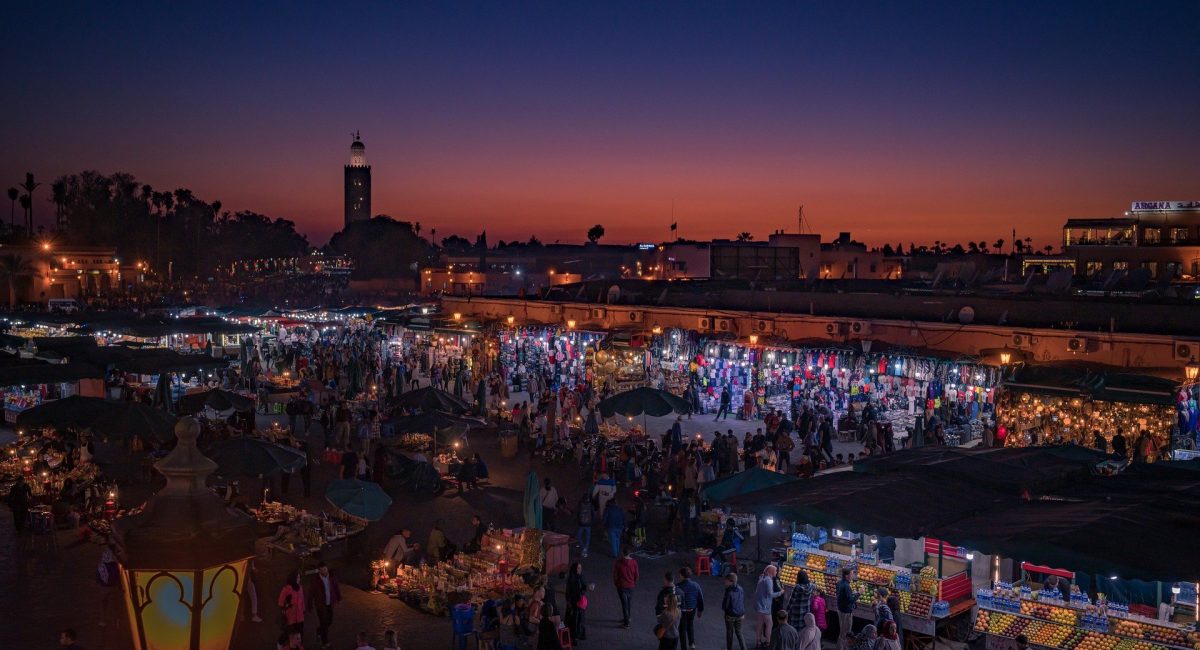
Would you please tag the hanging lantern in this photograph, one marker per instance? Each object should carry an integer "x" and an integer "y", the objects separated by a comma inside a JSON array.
[{"x": 184, "y": 557}]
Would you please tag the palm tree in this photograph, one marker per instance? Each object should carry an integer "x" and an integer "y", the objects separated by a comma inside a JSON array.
[
  {"x": 26, "y": 208},
  {"x": 58, "y": 194},
  {"x": 12, "y": 267},
  {"x": 1049, "y": 248},
  {"x": 745, "y": 236},
  {"x": 13, "y": 193},
  {"x": 29, "y": 186}
]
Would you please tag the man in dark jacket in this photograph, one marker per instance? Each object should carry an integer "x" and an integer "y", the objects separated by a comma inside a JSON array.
[
  {"x": 846, "y": 601},
  {"x": 734, "y": 606},
  {"x": 668, "y": 589},
  {"x": 323, "y": 593},
  {"x": 691, "y": 605}
]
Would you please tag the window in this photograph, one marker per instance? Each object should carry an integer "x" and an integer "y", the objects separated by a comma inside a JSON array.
[
  {"x": 1120, "y": 265},
  {"x": 1179, "y": 235},
  {"x": 1093, "y": 268},
  {"x": 1152, "y": 235},
  {"x": 1152, "y": 267}
]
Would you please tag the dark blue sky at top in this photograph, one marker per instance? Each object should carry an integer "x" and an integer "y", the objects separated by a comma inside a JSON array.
[{"x": 539, "y": 117}]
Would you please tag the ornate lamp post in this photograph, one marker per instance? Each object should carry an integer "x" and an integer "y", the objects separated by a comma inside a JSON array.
[{"x": 183, "y": 558}]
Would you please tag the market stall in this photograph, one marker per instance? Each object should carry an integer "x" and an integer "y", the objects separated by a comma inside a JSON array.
[
  {"x": 1071, "y": 405},
  {"x": 307, "y": 536},
  {"x": 1052, "y": 618},
  {"x": 930, "y": 603},
  {"x": 506, "y": 564}
]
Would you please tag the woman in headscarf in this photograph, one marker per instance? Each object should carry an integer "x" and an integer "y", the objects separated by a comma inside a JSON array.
[
  {"x": 810, "y": 634},
  {"x": 889, "y": 637},
  {"x": 576, "y": 602},
  {"x": 864, "y": 640}
]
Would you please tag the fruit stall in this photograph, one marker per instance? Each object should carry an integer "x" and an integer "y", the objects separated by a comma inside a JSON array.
[
  {"x": 927, "y": 602},
  {"x": 1080, "y": 622}
]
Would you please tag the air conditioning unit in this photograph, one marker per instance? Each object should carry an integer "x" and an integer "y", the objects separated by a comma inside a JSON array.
[
  {"x": 763, "y": 326},
  {"x": 860, "y": 328},
  {"x": 724, "y": 325},
  {"x": 598, "y": 313},
  {"x": 636, "y": 316},
  {"x": 1080, "y": 344},
  {"x": 557, "y": 310},
  {"x": 839, "y": 329},
  {"x": 1024, "y": 341},
  {"x": 1185, "y": 351},
  {"x": 706, "y": 323}
]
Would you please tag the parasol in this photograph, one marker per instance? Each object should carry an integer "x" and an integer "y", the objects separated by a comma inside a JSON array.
[
  {"x": 247, "y": 457},
  {"x": 362, "y": 499}
]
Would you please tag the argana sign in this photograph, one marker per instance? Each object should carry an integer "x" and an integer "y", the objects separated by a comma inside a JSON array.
[{"x": 1157, "y": 206}]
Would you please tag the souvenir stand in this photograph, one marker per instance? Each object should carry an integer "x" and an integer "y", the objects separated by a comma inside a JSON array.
[
  {"x": 498, "y": 570},
  {"x": 927, "y": 602},
  {"x": 621, "y": 367},
  {"x": 1079, "y": 621},
  {"x": 903, "y": 385},
  {"x": 559, "y": 353}
]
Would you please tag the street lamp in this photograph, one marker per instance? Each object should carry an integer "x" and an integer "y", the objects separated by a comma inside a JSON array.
[
  {"x": 511, "y": 320},
  {"x": 571, "y": 324},
  {"x": 1005, "y": 357},
  {"x": 183, "y": 558},
  {"x": 753, "y": 339},
  {"x": 1191, "y": 371}
]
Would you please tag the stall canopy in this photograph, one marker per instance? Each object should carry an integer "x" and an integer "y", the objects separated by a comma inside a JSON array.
[
  {"x": 644, "y": 400},
  {"x": 1047, "y": 505},
  {"x": 1093, "y": 382},
  {"x": 432, "y": 399},
  {"x": 47, "y": 373},
  {"x": 216, "y": 399},
  {"x": 751, "y": 480}
]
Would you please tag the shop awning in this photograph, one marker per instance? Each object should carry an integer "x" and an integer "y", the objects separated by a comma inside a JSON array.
[
  {"x": 157, "y": 360},
  {"x": 47, "y": 373},
  {"x": 742, "y": 483},
  {"x": 1053, "y": 510}
]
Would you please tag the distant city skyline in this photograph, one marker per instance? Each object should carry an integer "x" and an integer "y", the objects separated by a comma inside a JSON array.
[{"x": 940, "y": 121}]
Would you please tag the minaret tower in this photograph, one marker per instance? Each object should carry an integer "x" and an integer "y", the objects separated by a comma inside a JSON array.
[{"x": 358, "y": 183}]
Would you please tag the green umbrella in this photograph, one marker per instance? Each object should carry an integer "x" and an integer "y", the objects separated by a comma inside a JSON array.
[
  {"x": 134, "y": 419},
  {"x": 533, "y": 501},
  {"x": 643, "y": 401},
  {"x": 362, "y": 499},
  {"x": 246, "y": 457},
  {"x": 66, "y": 413},
  {"x": 432, "y": 399},
  {"x": 755, "y": 478}
]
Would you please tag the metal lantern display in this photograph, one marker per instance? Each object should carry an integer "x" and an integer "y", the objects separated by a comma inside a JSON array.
[{"x": 184, "y": 557}]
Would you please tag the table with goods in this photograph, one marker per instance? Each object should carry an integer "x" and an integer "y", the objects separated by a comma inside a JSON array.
[
  {"x": 1007, "y": 610},
  {"x": 506, "y": 564},
  {"x": 926, "y": 601},
  {"x": 306, "y": 535}
]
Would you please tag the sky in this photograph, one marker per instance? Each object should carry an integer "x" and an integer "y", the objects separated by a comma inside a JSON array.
[{"x": 896, "y": 121}]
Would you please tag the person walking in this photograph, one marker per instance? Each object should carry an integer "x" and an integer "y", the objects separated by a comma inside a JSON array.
[
  {"x": 667, "y": 629},
  {"x": 785, "y": 637},
  {"x": 291, "y": 604},
  {"x": 668, "y": 589},
  {"x": 883, "y": 613},
  {"x": 19, "y": 496},
  {"x": 549, "y": 495},
  {"x": 691, "y": 606},
  {"x": 625, "y": 577},
  {"x": 847, "y": 600},
  {"x": 801, "y": 602},
  {"x": 614, "y": 525},
  {"x": 733, "y": 603},
  {"x": 324, "y": 594},
  {"x": 726, "y": 399},
  {"x": 810, "y": 635},
  {"x": 577, "y": 588},
  {"x": 764, "y": 594},
  {"x": 585, "y": 513}
]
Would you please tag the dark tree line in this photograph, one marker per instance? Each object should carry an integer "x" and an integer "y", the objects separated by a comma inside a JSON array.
[{"x": 166, "y": 229}]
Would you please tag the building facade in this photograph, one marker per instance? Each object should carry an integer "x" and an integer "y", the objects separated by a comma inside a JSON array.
[
  {"x": 358, "y": 184},
  {"x": 1161, "y": 237}
]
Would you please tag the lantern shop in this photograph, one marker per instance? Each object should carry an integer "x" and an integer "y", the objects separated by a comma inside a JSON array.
[{"x": 1049, "y": 405}]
